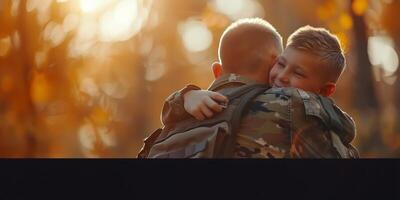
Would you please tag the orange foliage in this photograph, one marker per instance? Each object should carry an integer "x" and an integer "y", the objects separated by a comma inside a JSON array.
[{"x": 81, "y": 79}]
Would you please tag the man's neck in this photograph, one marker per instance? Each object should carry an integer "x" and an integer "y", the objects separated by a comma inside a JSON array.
[{"x": 231, "y": 79}]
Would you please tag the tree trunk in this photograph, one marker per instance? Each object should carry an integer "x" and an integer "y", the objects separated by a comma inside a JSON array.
[
  {"x": 365, "y": 100},
  {"x": 27, "y": 69}
]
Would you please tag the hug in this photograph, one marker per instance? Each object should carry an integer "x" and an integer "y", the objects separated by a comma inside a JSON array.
[{"x": 266, "y": 101}]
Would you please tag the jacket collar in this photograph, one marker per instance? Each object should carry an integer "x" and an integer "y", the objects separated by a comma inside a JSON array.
[{"x": 228, "y": 79}]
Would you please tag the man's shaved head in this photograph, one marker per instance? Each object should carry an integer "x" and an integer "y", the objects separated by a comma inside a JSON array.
[{"x": 248, "y": 45}]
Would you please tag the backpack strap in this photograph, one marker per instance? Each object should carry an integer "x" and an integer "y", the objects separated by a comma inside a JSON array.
[
  {"x": 249, "y": 93},
  {"x": 238, "y": 95},
  {"x": 148, "y": 143},
  {"x": 232, "y": 94}
]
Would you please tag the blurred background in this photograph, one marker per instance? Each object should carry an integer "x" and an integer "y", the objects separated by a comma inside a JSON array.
[{"x": 87, "y": 78}]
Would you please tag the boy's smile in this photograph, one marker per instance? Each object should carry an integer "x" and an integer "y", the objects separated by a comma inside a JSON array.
[{"x": 299, "y": 69}]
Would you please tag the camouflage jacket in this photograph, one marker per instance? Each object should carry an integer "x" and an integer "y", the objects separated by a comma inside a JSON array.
[{"x": 280, "y": 123}]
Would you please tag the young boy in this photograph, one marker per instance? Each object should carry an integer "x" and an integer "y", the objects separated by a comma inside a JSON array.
[{"x": 312, "y": 61}]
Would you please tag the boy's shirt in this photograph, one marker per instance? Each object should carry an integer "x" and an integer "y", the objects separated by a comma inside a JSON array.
[{"x": 280, "y": 123}]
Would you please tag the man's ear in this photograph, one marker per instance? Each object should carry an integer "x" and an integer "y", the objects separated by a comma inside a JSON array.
[
  {"x": 217, "y": 69},
  {"x": 328, "y": 89}
]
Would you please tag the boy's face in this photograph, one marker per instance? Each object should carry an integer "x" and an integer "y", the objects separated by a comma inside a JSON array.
[{"x": 298, "y": 69}]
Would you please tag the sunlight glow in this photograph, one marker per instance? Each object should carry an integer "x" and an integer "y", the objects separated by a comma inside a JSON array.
[
  {"x": 87, "y": 29},
  {"x": 89, "y": 6},
  {"x": 382, "y": 54},
  {"x": 237, "y": 9},
  {"x": 85, "y": 38},
  {"x": 195, "y": 35},
  {"x": 230, "y": 7},
  {"x": 120, "y": 23},
  {"x": 104, "y": 21}
]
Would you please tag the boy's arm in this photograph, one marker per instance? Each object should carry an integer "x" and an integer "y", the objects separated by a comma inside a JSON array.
[
  {"x": 192, "y": 102},
  {"x": 173, "y": 109}
]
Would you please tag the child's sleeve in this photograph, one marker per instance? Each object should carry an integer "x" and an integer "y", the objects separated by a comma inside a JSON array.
[{"x": 173, "y": 109}]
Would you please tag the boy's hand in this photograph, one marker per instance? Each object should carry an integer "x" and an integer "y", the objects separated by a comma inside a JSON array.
[{"x": 202, "y": 104}]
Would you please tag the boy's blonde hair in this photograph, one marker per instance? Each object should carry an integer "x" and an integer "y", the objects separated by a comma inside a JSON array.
[
  {"x": 322, "y": 43},
  {"x": 244, "y": 44}
]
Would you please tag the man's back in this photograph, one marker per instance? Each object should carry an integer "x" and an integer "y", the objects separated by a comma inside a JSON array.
[{"x": 281, "y": 122}]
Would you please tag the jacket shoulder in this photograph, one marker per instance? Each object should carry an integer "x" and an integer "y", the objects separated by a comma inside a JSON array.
[
  {"x": 304, "y": 102},
  {"x": 327, "y": 111}
]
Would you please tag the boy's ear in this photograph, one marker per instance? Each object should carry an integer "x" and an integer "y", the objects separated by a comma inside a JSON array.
[
  {"x": 217, "y": 69},
  {"x": 328, "y": 89}
]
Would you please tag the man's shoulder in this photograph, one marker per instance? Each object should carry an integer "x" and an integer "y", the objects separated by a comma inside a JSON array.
[
  {"x": 281, "y": 102},
  {"x": 298, "y": 101},
  {"x": 291, "y": 92},
  {"x": 293, "y": 101},
  {"x": 284, "y": 95},
  {"x": 304, "y": 106}
]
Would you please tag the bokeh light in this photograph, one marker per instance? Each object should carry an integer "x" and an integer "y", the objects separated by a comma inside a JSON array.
[
  {"x": 122, "y": 22},
  {"x": 40, "y": 59},
  {"x": 5, "y": 46},
  {"x": 195, "y": 35},
  {"x": 54, "y": 33},
  {"x": 382, "y": 54},
  {"x": 71, "y": 22},
  {"x": 87, "y": 136},
  {"x": 155, "y": 67},
  {"x": 236, "y": 9},
  {"x": 88, "y": 86},
  {"x": 14, "y": 7},
  {"x": 93, "y": 5}
]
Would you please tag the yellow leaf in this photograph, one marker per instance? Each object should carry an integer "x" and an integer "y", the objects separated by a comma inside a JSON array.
[
  {"x": 345, "y": 21},
  {"x": 322, "y": 14},
  {"x": 6, "y": 83},
  {"x": 99, "y": 116},
  {"x": 40, "y": 89},
  {"x": 5, "y": 46},
  {"x": 360, "y": 6},
  {"x": 327, "y": 10},
  {"x": 344, "y": 40}
]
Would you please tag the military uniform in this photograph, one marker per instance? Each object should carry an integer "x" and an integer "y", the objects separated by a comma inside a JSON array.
[{"x": 280, "y": 123}]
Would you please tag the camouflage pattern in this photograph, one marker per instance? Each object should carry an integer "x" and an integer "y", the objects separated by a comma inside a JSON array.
[{"x": 280, "y": 123}]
